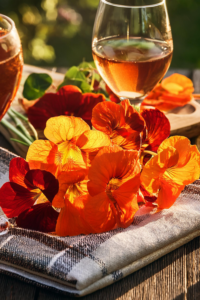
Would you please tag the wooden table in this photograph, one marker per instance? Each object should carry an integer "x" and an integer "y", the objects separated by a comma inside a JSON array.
[{"x": 174, "y": 276}]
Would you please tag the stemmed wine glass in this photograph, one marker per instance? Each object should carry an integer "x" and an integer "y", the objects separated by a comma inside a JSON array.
[
  {"x": 132, "y": 45},
  {"x": 11, "y": 63}
]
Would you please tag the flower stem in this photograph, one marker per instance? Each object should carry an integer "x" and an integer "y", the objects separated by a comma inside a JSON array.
[
  {"x": 22, "y": 117},
  {"x": 7, "y": 125},
  {"x": 149, "y": 152},
  {"x": 20, "y": 142},
  {"x": 20, "y": 126},
  {"x": 26, "y": 120}
]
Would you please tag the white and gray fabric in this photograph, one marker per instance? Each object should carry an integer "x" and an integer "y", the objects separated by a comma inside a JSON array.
[{"x": 83, "y": 264}]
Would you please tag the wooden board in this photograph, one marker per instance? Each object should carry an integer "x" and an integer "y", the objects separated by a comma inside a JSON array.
[{"x": 185, "y": 120}]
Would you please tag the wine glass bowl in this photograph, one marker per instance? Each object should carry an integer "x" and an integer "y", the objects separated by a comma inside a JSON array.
[
  {"x": 132, "y": 45},
  {"x": 11, "y": 63}
]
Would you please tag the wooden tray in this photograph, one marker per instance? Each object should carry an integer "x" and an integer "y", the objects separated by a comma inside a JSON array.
[{"x": 184, "y": 121}]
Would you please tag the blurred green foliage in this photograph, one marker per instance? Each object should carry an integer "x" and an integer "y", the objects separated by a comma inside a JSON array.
[{"x": 58, "y": 32}]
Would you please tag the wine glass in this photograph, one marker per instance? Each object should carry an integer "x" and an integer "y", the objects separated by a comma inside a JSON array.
[
  {"x": 132, "y": 45},
  {"x": 11, "y": 63}
]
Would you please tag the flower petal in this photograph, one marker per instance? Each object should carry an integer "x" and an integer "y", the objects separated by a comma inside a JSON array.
[
  {"x": 61, "y": 129},
  {"x": 93, "y": 140},
  {"x": 185, "y": 174},
  {"x": 75, "y": 175},
  {"x": 45, "y": 181},
  {"x": 44, "y": 155},
  {"x": 89, "y": 101},
  {"x": 180, "y": 84},
  {"x": 65, "y": 102},
  {"x": 157, "y": 126},
  {"x": 17, "y": 170},
  {"x": 99, "y": 214},
  {"x": 156, "y": 166},
  {"x": 132, "y": 142},
  {"x": 40, "y": 217},
  {"x": 111, "y": 162},
  {"x": 168, "y": 194},
  {"x": 107, "y": 116},
  {"x": 14, "y": 199},
  {"x": 182, "y": 146},
  {"x": 132, "y": 117},
  {"x": 71, "y": 220},
  {"x": 69, "y": 151},
  {"x": 126, "y": 198}
]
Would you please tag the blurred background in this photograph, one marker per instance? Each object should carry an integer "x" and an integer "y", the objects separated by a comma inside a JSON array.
[{"x": 57, "y": 33}]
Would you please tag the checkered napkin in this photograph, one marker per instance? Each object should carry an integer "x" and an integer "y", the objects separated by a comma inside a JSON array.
[{"x": 83, "y": 264}]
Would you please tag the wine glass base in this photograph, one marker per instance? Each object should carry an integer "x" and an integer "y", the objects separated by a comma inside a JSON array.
[{"x": 135, "y": 101}]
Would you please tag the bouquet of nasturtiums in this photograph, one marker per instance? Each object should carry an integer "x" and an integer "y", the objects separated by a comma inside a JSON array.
[{"x": 99, "y": 163}]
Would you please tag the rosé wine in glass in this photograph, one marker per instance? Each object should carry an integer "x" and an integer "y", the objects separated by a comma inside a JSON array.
[
  {"x": 11, "y": 63},
  {"x": 132, "y": 45}
]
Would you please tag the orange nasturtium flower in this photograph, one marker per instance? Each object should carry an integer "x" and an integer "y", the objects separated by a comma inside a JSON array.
[
  {"x": 166, "y": 174},
  {"x": 122, "y": 123},
  {"x": 174, "y": 91},
  {"x": 72, "y": 186},
  {"x": 69, "y": 138},
  {"x": 114, "y": 183}
]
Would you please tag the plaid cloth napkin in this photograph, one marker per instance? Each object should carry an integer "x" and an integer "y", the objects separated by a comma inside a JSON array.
[{"x": 83, "y": 264}]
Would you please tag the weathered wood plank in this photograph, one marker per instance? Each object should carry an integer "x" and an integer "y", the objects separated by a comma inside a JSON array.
[{"x": 14, "y": 289}]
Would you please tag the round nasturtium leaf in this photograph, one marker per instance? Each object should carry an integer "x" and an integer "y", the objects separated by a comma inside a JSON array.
[{"x": 35, "y": 85}]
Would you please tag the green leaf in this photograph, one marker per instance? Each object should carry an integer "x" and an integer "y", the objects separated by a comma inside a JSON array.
[
  {"x": 36, "y": 85},
  {"x": 92, "y": 63},
  {"x": 75, "y": 74},
  {"x": 85, "y": 87},
  {"x": 76, "y": 77},
  {"x": 86, "y": 67}
]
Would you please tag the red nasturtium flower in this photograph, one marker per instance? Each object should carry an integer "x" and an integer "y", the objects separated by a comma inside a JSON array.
[
  {"x": 166, "y": 174},
  {"x": 68, "y": 101},
  {"x": 157, "y": 129},
  {"x": 70, "y": 138},
  {"x": 114, "y": 183},
  {"x": 174, "y": 91},
  {"x": 29, "y": 196},
  {"x": 122, "y": 123}
]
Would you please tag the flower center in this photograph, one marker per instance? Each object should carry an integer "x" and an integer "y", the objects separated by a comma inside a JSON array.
[
  {"x": 74, "y": 191},
  {"x": 113, "y": 185},
  {"x": 39, "y": 197}
]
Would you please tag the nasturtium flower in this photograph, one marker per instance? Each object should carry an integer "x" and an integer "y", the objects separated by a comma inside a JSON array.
[
  {"x": 167, "y": 173},
  {"x": 69, "y": 138},
  {"x": 70, "y": 200},
  {"x": 174, "y": 91},
  {"x": 157, "y": 129},
  {"x": 68, "y": 101},
  {"x": 30, "y": 193},
  {"x": 122, "y": 123},
  {"x": 114, "y": 183}
]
